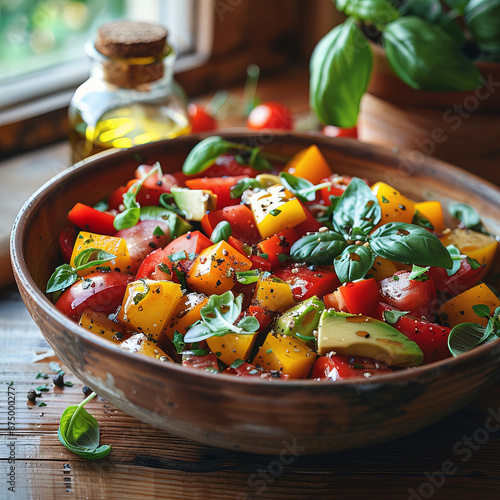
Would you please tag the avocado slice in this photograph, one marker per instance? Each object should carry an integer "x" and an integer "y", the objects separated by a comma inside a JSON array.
[
  {"x": 194, "y": 203},
  {"x": 358, "y": 335},
  {"x": 300, "y": 319}
]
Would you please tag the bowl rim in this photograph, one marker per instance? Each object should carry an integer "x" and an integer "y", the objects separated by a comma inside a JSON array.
[{"x": 25, "y": 280}]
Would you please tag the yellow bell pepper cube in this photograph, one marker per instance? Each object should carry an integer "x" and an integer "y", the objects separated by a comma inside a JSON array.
[
  {"x": 478, "y": 246},
  {"x": 110, "y": 244},
  {"x": 141, "y": 344},
  {"x": 148, "y": 305},
  {"x": 285, "y": 354},
  {"x": 459, "y": 309},
  {"x": 186, "y": 315},
  {"x": 214, "y": 270},
  {"x": 232, "y": 346},
  {"x": 433, "y": 212},
  {"x": 273, "y": 294},
  {"x": 309, "y": 164},
  {"x": 102, "y": 326},
  {"x": 275, "y": 209},
  {"x": 395, "y": 206},
  {"x": 382, "y": 268}
]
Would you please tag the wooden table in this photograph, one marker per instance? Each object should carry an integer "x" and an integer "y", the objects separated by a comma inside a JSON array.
[{"x": 148, "y": 463}]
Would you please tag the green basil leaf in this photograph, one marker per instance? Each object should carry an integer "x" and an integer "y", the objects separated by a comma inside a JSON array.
[
  {"x": 304, "y": 338},
  {"x": 174, "y": 257},
  {"x": 482, "y": 18},
  {"x": 456, "y": 257},
  {"x": 358, "y": 207},
  {"x": 242, "y": 185},
  {"x": 63, "y": 277},
  {"x": 158, "y": 231},
  {"x": 465, "y": 214},
  {"x": 340, "y": 70},
  {"x": 79, "y": 432},
  {"x": 221, "y": 311},
  {"x": 248, "y": 277},
  {"x": 410, "y": 46},
  {"x": 301, "y": 188},
  {"x": 204, "y": 154},
  {"x": 409, "y": 244},
  {"x": 354, "y": 262},
  {"x": 249, "y": 324},
  {"x": 102, "y": 205},
  {"x": 202, "y": 332},
  {"x": 376, "y": 12},
  {"x": 473, "y": 263},
  {"x": 127, "y": 218},
  {"x": 221, "y": 232},
  {"x": 178, "y": 342},
  {"x": 318, "y": 248},
  {"x": 237, "y": 363},
  {"x": 420, "y": 220},
  {"x": 465, "y": 336},
  {"x": 418, "y": 273},
  {"x": 92, "y": 257},
  {"x": 482, "y": 310},
  {"x": 176, "y": 224},
  {"x": 432, "y": 12},
  {"x": 181, "y": 277},
  {"x": 258, "y": 161},
  {"x": 392, "y": 317},
  {"x": 457, "y": 5}
]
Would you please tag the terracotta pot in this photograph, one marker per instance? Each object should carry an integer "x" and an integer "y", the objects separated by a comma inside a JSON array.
[
  {"x": 252, "y": 414},
  {"x": 460, "y": 127}
]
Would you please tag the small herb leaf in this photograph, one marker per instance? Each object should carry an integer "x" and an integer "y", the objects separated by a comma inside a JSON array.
[
  {"x": 392, "y": 317},
  {"x": 354, "y": 262}
]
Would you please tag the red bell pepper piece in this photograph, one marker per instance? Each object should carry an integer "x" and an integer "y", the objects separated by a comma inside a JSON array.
[{"x": 90, "y": 219}]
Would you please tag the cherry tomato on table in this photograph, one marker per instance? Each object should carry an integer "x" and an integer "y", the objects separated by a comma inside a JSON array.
[
  {"x": 201, "y": 120},
  {"x": 270, "y": 115}
]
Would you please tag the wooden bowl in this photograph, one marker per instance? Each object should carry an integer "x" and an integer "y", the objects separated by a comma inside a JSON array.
[{"x": 251, "y": 414}]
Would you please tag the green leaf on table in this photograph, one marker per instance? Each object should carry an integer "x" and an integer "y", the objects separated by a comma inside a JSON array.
[{"x": 79, "y": 432}]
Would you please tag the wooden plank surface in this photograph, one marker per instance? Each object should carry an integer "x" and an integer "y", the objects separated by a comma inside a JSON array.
[{"x": 148, "y": 463}]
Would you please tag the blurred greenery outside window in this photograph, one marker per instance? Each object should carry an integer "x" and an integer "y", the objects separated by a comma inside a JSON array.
[{"x": 42, "y": 41}]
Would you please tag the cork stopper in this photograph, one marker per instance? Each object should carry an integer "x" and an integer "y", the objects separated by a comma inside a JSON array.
[
  {"x": 135, "y": 51},
  {"x": 127, "y": 39}
]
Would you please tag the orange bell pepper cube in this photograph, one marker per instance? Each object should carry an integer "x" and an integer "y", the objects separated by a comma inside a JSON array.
[
  {"x": 232, "y": 346},
  {"x": 214, "y": 270},
  {"x": 395, "y": 206},
  {"x": 93, "y": 220},
  {"x": 276, "y": 209},
  {"x": 148, "y": 305},
  {"x": 142, "y": 344},
  {"x": 102, "y": 326},
  {"x": 433, "y": 212},
  {"x": 111, "y": 244},
  {"x": 187, "y": 313},
  {"x": 309, "y": 164}
]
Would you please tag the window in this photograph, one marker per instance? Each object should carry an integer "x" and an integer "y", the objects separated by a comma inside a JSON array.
[{"x": 42, "y": 56}]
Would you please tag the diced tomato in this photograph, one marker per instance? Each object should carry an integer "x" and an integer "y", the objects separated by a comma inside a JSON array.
[
  {"x": 116, "y": 198},
  {"x": 337, "y": 367},
  {"x": 201, "y": 120},
  {"x": 277, "y": 245},
  {"x": 259, "y": 263},
  {"x": 339, "y": 185},
  {"x": 227, "y": 164},
  {"x": 335, "y": 301},
  {"x": 192, "y": 242},
  {"x": 240, "y": 218},
  {"x": 310, "y": 225},
  {"x": 152, "y": 187},
  {"x": 151, "y": 267},
  {"x": 466, "y": 277},
  {"x": 333, "y": 131},
  {"x": 90, "y": 219},
  {"x": 206, "y": 362},
  {"x": 99, "y": 290},
  {"x": 416, "y": 296},
  {"x": 361, "y": 297},
  {"x": 239, "y": 246},
  {"x": 306, "y": 282},
  {"x": 430, "y": 337},
  {"x": 219, "y": 186},
  {"x": 249, "y": 370},
  {"x": 264, "y": 316},
  {"x": 67, "y": 238},
  {"x": 141, "y": 240}
]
